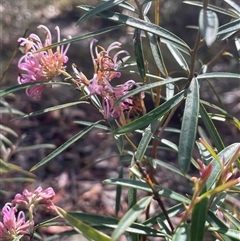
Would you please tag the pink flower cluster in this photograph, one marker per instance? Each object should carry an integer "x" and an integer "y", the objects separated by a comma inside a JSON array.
[
  {"x": 40, "y": 64},
  {"x": 37, "y": 65},
  {"x": 14, "y": 223},
  {"x": 105, "y": 69}
]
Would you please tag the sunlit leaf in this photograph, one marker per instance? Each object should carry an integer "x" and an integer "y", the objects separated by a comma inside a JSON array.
[
  {"x": 182, "y": 233},
  {"x": 103, "y": 222},
  {"x": 143, "y": 25},
  {"x": 153, "y": 115},
  {"x": 148, "y": 86},
  {"x": 225, "y": 154},
  {"x": 118, "y": 193},
  {"x": 189, "y": 126},
  {"x": 27, "y": 85},
  {"x": 208, "y": 25},
  {"x": 198, "y": 220},
  {"x": 233, "y": 220},
  {"x": 8, "y": 130},
  {"x": 232, "y": 233},
  {"x": 213, "y": 8},
  {"x": 63, "y": 147},
  {"x": 143, "y": 144},
  {"x": 49, "y": 109},
  {"x": 211, "y": 129},
  {"x": 237, "y": 43},
  {"x": 178, "y": 57},
  {"x": 228, "y": 29},
  {"x": 89, "y": 232},
  {"x": 139, "y": 55},
  {"x": 156, "y": 53},
  {"x": 219, "y": 75},
  {"x": 131, "y": 215},
  {"x": 139, "y": 185},
  {"x": 233, "y": 5},
  {"x": 98, "y": 9},
  {"x": 81, "y": 37},
  {"x": 146, "y": 6}
]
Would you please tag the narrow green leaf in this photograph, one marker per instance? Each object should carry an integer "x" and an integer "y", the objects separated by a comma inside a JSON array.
[
  {"x": 232, "y": 233},
  {"x": 4, "y": 166},
  {"x": 208, "y": 26},
  {"x": 219, "y": 75},
  {"x": 204, "y": 153},
  {"x": 89, "y": 123},
  {"x": 233, "y": 5},
  {"x": 11, "y": 111},
  {"x": 35, "y": 147},
  {"x": 8, "y": 130},
  {"x": 103, "y": 222},
  {"x": 218, "y": 201},
  {"x": 198, "y": 220},
  {"x": 171, "y": 168},
  {"x": 178, "y": 57},
  {"x": 225, "y": 154},
  {"x": 172, "y": 212},
  {"x": 98, "y": 9},
  {"x": 139, "y": 185},
  {"x": 211, "y": 129},
  {"x": 169, "y": 90},
  {"x": 83, "y": 36},
  {"x": 213, "y": 8},
  {"x": 146, "y": 138},
  {"x": 89, "y": 232},
  {"x": 233, "y": 220},
  {"x": 228, "y": 29},
  {"x": 153, "y": 115},
  {"x": 138, "y": 52},
  {"x": 130, "y": 216},
  {"x": 217, "y": 223},
  {"x": 143, "y": 25},
  {"x": 182, "y": 233},
  {"x": 118, "y": 138},
  {"x": 118, "y": 193},
  {"x": 53, "y": 108},
  {"x": 226, "y": 115},
  {"x": 148, "y": 86},
  {"x": 189, "y": 126},
  {"x": 146, "y": 6},
  {"x": 18, "y": 179},
  {"x": 237, "y": 43},
  {"x": 63, "y": 147},
  {"x": 163, "y": 226},
  {"x": 4, "y": 139},
  {"x": 132, "y": 193},
  {"x": 27, "y": 85},
  {"x": 157, "y": 53}
]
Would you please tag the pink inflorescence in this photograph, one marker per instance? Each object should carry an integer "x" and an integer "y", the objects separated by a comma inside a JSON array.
[
  {"x": 14, "y": 221},
  {"x": 33, "y": 199},
  {"x": 41, "y": 65},
  {"x": 13, "y": 225},
  {"x": 105, "y": 69}
]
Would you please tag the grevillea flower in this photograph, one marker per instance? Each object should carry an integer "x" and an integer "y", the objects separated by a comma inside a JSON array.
[
  {"x": 111, "y": 95},
  {"x": 40, "y": 66},
  {"x": 31, "y": 200},
  {"x": 105, "y": 65},
  {"x": 13, "y": 225}
]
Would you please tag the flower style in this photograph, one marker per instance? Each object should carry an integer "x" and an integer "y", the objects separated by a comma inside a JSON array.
[
  {"x": 41, "y": 197},
  {"x": 13, "y": 225},
  {"x": 40, "y": 66},
  {"x": 105, "y": 65}
]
